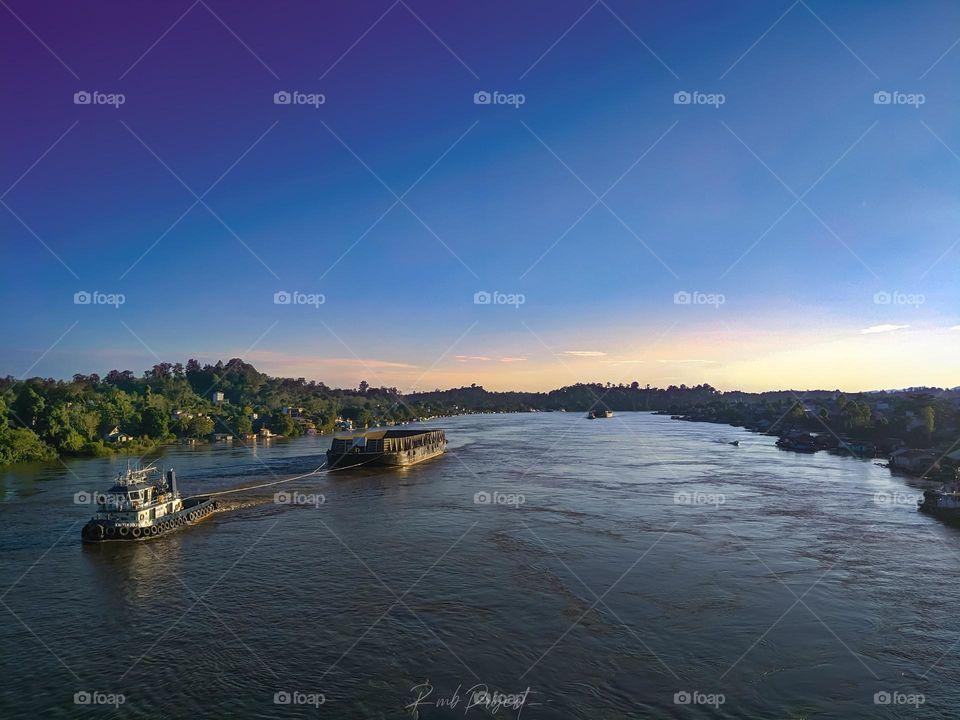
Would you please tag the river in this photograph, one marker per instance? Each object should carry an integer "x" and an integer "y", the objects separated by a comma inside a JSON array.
[{"x": 628, "y": 567}]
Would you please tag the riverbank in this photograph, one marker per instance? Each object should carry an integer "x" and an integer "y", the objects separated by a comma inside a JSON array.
[{"x": 937, "y": 463}]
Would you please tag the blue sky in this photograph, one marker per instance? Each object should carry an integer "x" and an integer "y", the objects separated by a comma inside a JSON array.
[{"x": 504, "y": 198}]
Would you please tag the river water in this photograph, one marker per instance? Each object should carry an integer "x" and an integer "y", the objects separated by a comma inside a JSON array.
[{"x": 628, "y": 567}]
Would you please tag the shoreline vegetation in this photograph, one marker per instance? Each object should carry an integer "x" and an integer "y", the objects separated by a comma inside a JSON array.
[{"x": 45, "y": 419}]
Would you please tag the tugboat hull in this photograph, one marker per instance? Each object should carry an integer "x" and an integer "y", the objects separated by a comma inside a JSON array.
[{"x": 194, "y": 510}]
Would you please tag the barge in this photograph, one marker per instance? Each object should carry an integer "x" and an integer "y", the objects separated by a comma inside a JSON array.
[
  {"x": 596, "y": 414},
  {"x": 144, "y": 504},
  {"x": 394, "y": 448}
]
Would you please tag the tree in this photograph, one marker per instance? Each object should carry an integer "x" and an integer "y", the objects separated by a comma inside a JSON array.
[
  {"x": 282, "y": 424},
  {"x": 796, "y": 411},
  {"x": 154, "y": 423},
  {"x": 196, "y": 426},
  {"x": 244, "y": 425},
  {"x": 64, "y": 428},
  {"x": 28, "y": 407}
]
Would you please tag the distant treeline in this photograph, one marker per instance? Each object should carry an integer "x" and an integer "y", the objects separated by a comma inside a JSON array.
[
  {"x": 916, "y": 416},
  {"x": 41, "y": 419}
]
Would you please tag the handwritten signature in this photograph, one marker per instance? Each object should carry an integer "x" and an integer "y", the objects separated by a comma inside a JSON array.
[{"x": 476, "y": 696}]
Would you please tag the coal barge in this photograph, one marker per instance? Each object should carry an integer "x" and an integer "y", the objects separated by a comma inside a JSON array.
[{"x": 392, "y": 447}]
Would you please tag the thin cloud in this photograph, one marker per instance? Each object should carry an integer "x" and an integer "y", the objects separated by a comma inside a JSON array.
[
  {"x": 691, "y": 361},
  {"x": 585, "y": 353},
  {"x": 874, "y": 329},
  {"x": 955, "y": 327},
  {"x": 512, "y": 359},
  {"x": 468, "y": 358}
]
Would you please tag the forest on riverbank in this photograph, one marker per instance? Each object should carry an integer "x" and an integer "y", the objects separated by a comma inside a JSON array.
[{"x": 42, "y": 418}]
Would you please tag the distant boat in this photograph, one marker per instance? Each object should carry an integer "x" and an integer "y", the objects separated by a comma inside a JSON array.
[
  {"x": 597, "y": 414},
  {"x": 941, "y": 503},
  {"x": 797, "y": 443}
]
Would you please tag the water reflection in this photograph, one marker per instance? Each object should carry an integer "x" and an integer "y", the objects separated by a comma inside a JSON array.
[{"x": 697, "y": 597}]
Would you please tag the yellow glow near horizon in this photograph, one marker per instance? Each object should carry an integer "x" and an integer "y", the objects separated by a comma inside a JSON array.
[{"x": 852, "y": 360}]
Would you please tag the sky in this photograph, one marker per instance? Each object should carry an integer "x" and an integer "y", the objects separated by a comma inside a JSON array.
[{"x": 758, "y": 195}]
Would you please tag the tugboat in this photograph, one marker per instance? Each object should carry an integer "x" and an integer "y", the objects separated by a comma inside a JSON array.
[
  {"x": 942, "y": 503},
  {"x": 598, "y": 413},
  {"x": 385, "y": 447},
  {"x": 141, "y": 506}
]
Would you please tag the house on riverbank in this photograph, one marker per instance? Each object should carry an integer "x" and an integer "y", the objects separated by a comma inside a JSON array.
[
  {"x": 116, "y": 436},
  {"x": 915, "y": 462}
]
